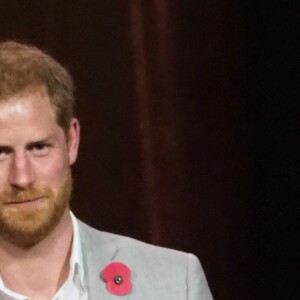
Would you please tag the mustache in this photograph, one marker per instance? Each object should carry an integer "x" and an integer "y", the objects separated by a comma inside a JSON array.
[{"x": 25, "y": 195}]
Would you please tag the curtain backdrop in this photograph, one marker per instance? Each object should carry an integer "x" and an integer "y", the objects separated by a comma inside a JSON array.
[{"x": 189, "y": 125}]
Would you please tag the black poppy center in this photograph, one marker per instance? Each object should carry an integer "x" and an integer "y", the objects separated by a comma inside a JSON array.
[{"x": 118, "y": 279}]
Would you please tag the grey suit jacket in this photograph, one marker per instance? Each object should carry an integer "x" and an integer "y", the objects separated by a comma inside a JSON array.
[{"x": 156, "y": 273}]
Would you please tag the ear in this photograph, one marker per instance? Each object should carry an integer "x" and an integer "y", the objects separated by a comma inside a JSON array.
[{"x": 73, "y": 141}]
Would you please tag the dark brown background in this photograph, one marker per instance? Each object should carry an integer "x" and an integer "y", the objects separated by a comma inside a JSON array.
[{"x": 189, "y": 125}]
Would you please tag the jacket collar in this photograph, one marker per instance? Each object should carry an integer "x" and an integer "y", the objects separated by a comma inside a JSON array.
[{"x": 99, "y": 249}]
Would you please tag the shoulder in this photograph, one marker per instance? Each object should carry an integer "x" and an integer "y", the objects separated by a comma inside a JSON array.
[
  {"x": 135, "y": 248},
  {"x": 169, "y": 272}
]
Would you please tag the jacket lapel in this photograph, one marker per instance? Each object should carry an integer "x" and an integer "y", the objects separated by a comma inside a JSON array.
[{"x": 98, "y": 251}]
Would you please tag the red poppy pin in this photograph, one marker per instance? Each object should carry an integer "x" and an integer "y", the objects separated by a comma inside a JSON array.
[{"x": 117, "y": 278}]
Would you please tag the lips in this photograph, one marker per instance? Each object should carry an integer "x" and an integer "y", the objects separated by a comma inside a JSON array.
[{"x": 24, "y": 201}]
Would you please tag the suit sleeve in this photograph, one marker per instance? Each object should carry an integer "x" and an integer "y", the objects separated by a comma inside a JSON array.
[{"x": 198, "y": 288}]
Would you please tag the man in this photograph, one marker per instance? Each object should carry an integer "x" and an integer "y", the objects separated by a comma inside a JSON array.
[{"x": 45, "y": 252}]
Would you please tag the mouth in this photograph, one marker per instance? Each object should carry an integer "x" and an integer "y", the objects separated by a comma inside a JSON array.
[{"x": 26, "y": 201}]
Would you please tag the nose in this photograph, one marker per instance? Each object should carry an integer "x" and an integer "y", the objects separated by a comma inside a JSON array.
[{"x": 21, "y": 173}]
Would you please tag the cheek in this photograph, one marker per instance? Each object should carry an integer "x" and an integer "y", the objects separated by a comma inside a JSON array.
[
  {"x": 52, "y": 172},
  {"x": 4, "y": 174},
  {"x": 2, "y": 180}
]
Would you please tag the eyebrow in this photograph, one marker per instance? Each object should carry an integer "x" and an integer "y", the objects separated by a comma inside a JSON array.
[
  {"x": 33, "y": 142},
  {"x": 5, "y": 148},
  {"x": 43, "y": 140}
]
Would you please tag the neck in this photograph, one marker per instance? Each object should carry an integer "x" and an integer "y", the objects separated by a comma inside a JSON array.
[{"x": 39, "y": 271}]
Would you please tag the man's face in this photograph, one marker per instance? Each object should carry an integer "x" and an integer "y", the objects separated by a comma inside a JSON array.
[{"x": 35, "y": 159}]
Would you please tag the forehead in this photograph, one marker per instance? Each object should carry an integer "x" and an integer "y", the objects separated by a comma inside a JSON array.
[
  {"x": 26, "y": 101},
  {"x": 29, "y": 110}
]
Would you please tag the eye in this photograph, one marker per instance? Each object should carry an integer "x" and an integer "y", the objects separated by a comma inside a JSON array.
[
  {"x": 4, "y": 152},
  {"x": 40, "y": 149}
]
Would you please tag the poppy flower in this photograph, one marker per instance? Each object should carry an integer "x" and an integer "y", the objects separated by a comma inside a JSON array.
[{"x": 117, "y": 278}]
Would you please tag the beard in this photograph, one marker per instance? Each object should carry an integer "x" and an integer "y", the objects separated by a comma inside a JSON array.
[{"x": 26, "y": 226}]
